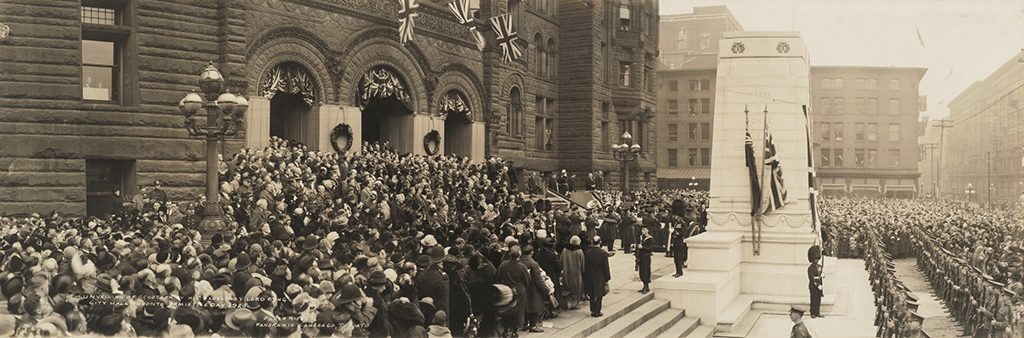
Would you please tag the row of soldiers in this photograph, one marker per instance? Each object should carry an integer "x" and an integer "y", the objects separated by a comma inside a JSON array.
[
  {"x": 895, "y": 306},
  {"x": 984, "y": 306}
]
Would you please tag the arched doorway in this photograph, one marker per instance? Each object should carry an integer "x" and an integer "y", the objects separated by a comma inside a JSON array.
[
  {"x": 457, "y": 124},
  {"x": 292, "y": 93},
  {"x": 385, "y": 103}
]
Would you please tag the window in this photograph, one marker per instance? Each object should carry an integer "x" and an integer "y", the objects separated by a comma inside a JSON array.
[
  {"x": 694, "y": 85},
  {"x": 872, "y": 131},
  {"x": 837, "y": 106},
  {"x": 894, "y": 106},
  {"x": 825, "y": 105},
  {"x": 102, "y": 179},
  {"x": 624, "y": 23},
  {"x": 539, "y": 132},
  {"x": 872, "y": 106},
  {"x": 837, "y": 83},
  {"x": 858, "y": 154},
  {"x": 837, "y": 127},
  {"x": 894, "y": 132},
  {"x": 693, "y": 108},
  {"x": 605, "y": 137},
  {"x": 692, "y": 159},
  {"x": 673, "y": 132},
  {"x": 825, "y": 160},
  {"x": 105, "y": 36},
  {"x": 894, "y": 84},
  {"x": 894, "y": 158},
  {"x": 681, "y": 39},
  {"x": 474, "y": 8},
  {"x": 826, "y": 83},
  {"x": 858, "y": 129},
  {"x": 640, "y": 136},
  {"x": 858, "y": 106},
  {"x": 705, "y": 157},
  {"x": 539, "y": 56},
  {"x": 872, "y": 157},
  {"x": 673, "y": 107},
  {"x": 514, "y": 118},
  {"x": 826, "y": 131},
  {"x": 673, "y": 86},
  {"x": 692, "y": 131},
  {"x": 705, "y": 131},
  {"x": 837, "y": 158},
  {"x": 705, "y": 40},
  {"x": 859, "y": 84},
  {"x": 673, "y": 158},
  {"x": 606, "y": 109},
  {"x": 705, "y": 106},
  {"x": 624, "y": 75},
  {"x": 649, "y": 79},
  {"x": 705, "y": 85},
  {"x": 871, "y": 84},
  {"x": 515, "y": 13}
]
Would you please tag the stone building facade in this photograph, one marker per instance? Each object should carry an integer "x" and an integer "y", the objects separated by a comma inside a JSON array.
[{"x": 97, "y": 84}]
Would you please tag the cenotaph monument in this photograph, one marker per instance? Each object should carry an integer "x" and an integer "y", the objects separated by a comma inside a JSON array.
[{"x": 725, "y": 279}]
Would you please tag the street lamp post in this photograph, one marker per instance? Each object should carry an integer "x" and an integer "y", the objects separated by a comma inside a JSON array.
[
  {"x": 693, "y": 183},
  {"x": 970, "y": 192},
  {"x": 224, "y": 113},
  {"x": 625, "y": 153}
]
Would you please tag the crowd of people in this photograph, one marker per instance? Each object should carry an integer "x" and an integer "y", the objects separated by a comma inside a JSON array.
[
  {"x": 372, "y": 244},
  {"x": 972, "y": 255}
]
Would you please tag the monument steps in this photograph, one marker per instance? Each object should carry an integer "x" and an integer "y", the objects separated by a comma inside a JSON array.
[
  {"x": 626, "y": 324},
  {"x": 734, "y": 313},
  {"x": 702, "y": 331},
  {"x": 682, "y": 328},
  {"x": 613, "y": 310}
]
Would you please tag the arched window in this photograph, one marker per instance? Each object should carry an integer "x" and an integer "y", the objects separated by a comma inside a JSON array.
[
  {"x": 515, "y": 11},
  {"x": 513, "y": 125},
  {"x": 539, "y": 55},
  {"x": 552, "y": 58},
  {"x": 682, "y": 42}
]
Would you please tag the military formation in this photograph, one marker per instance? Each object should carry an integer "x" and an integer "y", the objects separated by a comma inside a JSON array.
[{"x": 972, "y": 256}]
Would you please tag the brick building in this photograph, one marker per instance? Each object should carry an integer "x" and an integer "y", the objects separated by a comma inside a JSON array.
[
  {"x": 95, "y": 108},
  {"x": 866, "y": 126},
  {"x": 686, "y": 94},
  {"x": 985, "y": 144}
]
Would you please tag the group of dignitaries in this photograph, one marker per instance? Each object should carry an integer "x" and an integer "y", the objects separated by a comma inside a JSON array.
[
  {"x": 373, "y": 244},
  {"x": 971, "y": 255}
]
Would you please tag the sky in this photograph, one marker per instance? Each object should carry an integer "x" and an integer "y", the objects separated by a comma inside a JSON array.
[{"x": 960, "y": 41}]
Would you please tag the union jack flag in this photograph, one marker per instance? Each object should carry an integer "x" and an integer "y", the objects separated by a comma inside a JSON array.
[
  {"x": 406, "y": 16},
  {"x": 812, "y": 175},
  {"x": 502, "y": 26},
  {"x": 462, "y": 12},
  {"x": 775, "y": 196}
]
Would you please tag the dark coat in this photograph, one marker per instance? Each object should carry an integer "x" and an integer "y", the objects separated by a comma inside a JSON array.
[
  {"x": 433, "y": 283},
  {"x": 596, "y": 271},
  {"x": 516, "y": 276},
  {"x": 380, "y": 326},
  {"x": 537, "y": 291},
  {"x": 458, "y": 301},
  {"x": 480, "y": 282}
]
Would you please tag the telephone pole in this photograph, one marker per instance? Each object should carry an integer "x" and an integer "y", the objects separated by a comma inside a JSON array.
[
  {"x": 942, "y": 124},
  {"x": 988, "y": 156},
  {"x": 931, "y": 158}
]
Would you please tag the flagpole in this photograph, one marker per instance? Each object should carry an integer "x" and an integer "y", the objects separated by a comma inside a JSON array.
[
  {"x": 764, "y": 146},
  {"x": 753, "y": 216}
]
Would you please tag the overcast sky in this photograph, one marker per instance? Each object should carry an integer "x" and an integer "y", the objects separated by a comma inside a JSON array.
[{"x": 963, "y": 40}]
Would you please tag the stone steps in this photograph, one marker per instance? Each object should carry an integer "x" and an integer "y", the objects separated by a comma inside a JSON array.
[
  {"x": 682, "y": 328},
  {"x": 625, "y": 325},
  {"x": 703, "y": 331}
]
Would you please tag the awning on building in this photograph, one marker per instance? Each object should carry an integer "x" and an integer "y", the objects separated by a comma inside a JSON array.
[
  {"x": 833, "y": 186},
  {"x": 866, "y": 187},
  {"x": 686, "y": 173},
  {"x": 901, "y": 187}
]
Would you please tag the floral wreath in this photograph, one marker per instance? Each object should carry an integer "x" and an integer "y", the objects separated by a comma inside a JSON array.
[
  {"x": 343, "y": 130},
  {"x": 433, "y": 137}
]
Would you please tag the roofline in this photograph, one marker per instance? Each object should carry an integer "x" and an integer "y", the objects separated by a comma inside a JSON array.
[{"x": 920, "y": 70}]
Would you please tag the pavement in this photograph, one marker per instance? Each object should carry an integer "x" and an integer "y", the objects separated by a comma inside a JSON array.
[
  {"x": 937, "y": 320},
  {"x": 625, "y": 283},
  {"x": 852, "y": 316}
]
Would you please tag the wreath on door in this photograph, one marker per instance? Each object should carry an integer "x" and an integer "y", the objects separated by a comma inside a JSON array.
[
  {"x": 432, "y": 142},
  {"x": 341, "y": 131}
]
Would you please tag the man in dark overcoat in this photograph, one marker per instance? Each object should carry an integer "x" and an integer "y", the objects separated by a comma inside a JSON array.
[
  {"x": 596, "y": 273},
  {"x": 513, "y": 273}
]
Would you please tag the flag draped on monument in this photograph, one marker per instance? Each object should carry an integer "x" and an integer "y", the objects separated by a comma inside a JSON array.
[
  {"x": 406, "y": 15},
  {"x": 774, "y": 196},
  {"x": 751, "y": 159},
  {"x": 502, "y": 26},
  {"x": 461, "y": 10},
  {"x": 812, "y": 176}
]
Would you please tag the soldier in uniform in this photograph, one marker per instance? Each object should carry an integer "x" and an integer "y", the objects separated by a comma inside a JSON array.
[
  {"x": 643, "y": 257},
  {"x": 678, "y": 249},
  {"x": 914, "y": 322},
  {"x": 814, "y": 284},
  {"x": 796, "y": 314}
]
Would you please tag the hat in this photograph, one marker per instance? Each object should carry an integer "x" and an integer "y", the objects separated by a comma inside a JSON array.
[
  {"x": 440, "y": 318},
  {"x": 309, "y": 243},
  {"x": 542, "y": 233},
  {"x": 423, "y": 261},
  {"x": 13, "y": 286},
  {"x": 242, "y": 261},
  {"x": 911, "y": 296},
  {"x": 378, "y": 278},
  {"x": 575, "y": 240},
  {"x": 797, "y": 309},
  {"x": 916, "y": 317},
  {"x": 428, "y": 241},
  {"x": 180, "y": 330},
  {"x": 349, "y": 293},
  {"x": 240, "y": 318},
  {"x": 109, "y": 324},
  {"x": 436, "y": 254}
]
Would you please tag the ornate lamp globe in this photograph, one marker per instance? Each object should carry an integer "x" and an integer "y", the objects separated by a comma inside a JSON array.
[
  {"x": 635, "y": 148},
  {"x": 190, "y": 104},
  {"x": 615, "y": 147},
  {"x": 241, "y": 106},
  {"x": 226, "y": 102},
  {"x": 626, "y": 136},
  {"x": 210, "y": 80}
]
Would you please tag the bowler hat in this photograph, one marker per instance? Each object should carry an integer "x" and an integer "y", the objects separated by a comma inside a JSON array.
[
  {"x": 349, "y": 293},
  {"x": 423, "y": 261},
  {"x": 378, "y": 278}
]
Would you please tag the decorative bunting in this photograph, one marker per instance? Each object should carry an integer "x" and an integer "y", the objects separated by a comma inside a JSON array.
[
  {"x": 502, "y": 26},
  {"x": 461, "y": 10},
  {"x": 406, "y": 16},
  {"x": 289, "y": 78},
  {"x": 380, "y": 83}
]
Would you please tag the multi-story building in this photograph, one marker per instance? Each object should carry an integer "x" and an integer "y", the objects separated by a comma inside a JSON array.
[
  {"x": 984, "y": 147},
  {"x": 866, "y": 129},
  {"x": 686, "y": 94},
  {"x": 94, "y": 109}
]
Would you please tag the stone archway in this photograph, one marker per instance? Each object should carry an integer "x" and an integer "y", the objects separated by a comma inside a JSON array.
[
  {"x": 458, "y": 123},
  {"x": 292, "y": 92},
  {"x": 383, "y": 97}
]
